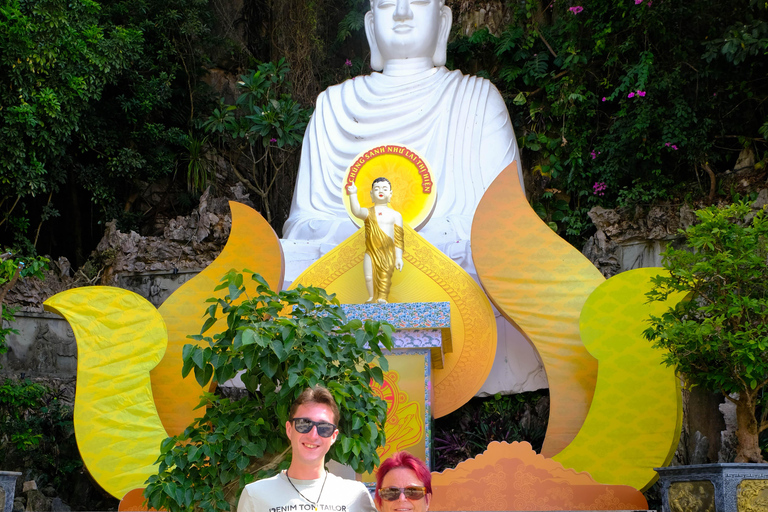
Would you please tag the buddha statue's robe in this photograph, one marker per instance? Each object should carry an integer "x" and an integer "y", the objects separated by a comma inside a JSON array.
[
  {"x": 461, "y": 126},
  {"x": 458, "y": 123},
  {"x": 380, "y": 247}
]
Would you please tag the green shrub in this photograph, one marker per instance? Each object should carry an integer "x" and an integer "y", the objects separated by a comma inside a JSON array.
[
  {"x": 717, "y": 337},
  {"x": 279, "y": 343},
  {"x": 37, "y": 432}
]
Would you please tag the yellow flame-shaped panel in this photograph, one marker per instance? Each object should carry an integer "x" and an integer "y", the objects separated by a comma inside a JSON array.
[
  {"x": 539, "y": 282},
  {"x": 120, "y": 338},
  {"x": 634, "y": 423},
  {"x": 252, "y": 244}
]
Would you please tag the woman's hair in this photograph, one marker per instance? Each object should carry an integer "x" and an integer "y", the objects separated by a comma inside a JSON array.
[{"x": 403, "y": 460}]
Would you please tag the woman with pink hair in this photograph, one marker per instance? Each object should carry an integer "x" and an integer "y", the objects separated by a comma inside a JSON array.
[{"x": 403, "y": 483}]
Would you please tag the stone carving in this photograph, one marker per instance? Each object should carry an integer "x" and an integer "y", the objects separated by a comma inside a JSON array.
[
  {"x": 698, "y": 496},
  {"x": 714, "y": 487},
  {"x": 753, "y": 496}
]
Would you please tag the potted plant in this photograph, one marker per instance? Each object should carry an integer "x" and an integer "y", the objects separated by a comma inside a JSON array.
[{"x": 717, "y": 337}]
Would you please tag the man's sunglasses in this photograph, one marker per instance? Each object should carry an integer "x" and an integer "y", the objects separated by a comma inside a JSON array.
[
  {"x": 393, "y": 493},
  {"x": 304, "y": 426}
]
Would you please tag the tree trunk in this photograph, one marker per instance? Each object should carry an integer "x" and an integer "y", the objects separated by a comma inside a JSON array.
[{"x": 747, "y": 433}]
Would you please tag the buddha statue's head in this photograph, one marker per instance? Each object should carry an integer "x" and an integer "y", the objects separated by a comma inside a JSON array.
[
  {"x": 381, "y": 191},
  {"x": 408, "y": 29}
]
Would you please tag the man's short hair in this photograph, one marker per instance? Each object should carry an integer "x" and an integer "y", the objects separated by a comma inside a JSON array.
[
  {"x": 316, "y": 395},
  {"x": 377, "y": 180}
]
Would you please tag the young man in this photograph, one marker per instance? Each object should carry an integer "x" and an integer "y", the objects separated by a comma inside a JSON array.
[{"x": 306, "y": 486}]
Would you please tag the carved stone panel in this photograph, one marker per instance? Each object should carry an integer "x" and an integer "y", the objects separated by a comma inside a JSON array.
[
  {"x": 752, "y": 496},
  {"x": 697, "y": 496}
]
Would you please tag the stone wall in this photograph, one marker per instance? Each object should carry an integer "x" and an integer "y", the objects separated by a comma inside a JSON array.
[
  {"x": 152, "y": 266},
  {"x": 634, "y": 238}
]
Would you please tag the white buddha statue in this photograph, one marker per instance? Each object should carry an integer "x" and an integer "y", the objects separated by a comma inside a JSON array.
[{"x": 458, "y": 123}]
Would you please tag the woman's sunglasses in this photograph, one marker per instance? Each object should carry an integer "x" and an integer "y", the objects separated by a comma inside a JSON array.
[
  {"x": 304, "y": 426},
  {"x": 393, "y": 493}
]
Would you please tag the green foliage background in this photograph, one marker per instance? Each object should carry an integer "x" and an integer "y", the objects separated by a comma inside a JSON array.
[
  {"x": 623, "y": 102},
  {"x": 36, "y": 430},
  {"x": 614, "y": 102}
]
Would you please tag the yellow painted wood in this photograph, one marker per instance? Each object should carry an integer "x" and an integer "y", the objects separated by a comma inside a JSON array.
[
  {"x": 634, "y": 422},
  {"x": 120, "y": 338}
]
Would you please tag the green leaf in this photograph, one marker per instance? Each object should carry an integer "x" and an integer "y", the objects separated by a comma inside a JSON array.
[
  {"x": 378, "y": 375},
  {"x": 197, "y": 357},
  {"x": 269, "y": 365}
]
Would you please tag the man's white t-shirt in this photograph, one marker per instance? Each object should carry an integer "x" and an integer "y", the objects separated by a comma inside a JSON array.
[{"x": 276, "y": 494}]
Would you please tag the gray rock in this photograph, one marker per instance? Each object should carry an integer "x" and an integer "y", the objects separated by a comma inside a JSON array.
[
  {"x": 37, "y": 502},
  {"x": 18, "y": 505},
  {"x": 762, "y": 199},
  {"x": 59, "y": 506},
  {"x": 701, "y": 447}
]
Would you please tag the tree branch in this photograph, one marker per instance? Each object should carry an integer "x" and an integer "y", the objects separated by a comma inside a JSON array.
[
  {"x": 545, "y": 41},
  {"x": 712, "y": 187}
]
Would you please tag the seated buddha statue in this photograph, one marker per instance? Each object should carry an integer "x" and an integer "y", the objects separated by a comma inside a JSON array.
[{"x": 458, "y": 123}]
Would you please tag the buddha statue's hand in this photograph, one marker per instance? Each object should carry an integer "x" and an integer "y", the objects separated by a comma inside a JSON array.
[
  {"x": 399, "y": 264},
  {"x": 352, "y": 189}
]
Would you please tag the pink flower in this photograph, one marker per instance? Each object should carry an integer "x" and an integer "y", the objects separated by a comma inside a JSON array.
[
  {"x": 638, "y": 2},
  {"x": 599, "y": 188},
  {"x": 576, "y": 9},
  {"x": 348, "y": 63},
  {"x": 671, "y": 146},
  {"x": 273, "y": 140},
  {"x": 594, "y": 154},
  {"x": 631, "y": 95},
  {"x": 604, "y": 98},
  {"x": 640, "y": 93}
]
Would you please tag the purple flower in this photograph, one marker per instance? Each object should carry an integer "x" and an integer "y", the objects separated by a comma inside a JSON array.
[
  {"x": 273, "y": 140},
  {"x": 599, "y": 188},
  {"x": 594, "y": 154},
  {"x": 638, "y": 2},
  {"x": 640, "y": 93},
  {"x": 348, "y": 63},
  {"x": 604, "y": 99},
  {"x": 576, "y": 9},
  {"x": 631, "y": 95},
  {"x": 671, "y": 146}
]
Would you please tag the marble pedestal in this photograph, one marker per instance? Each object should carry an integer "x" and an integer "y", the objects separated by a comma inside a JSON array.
[
  {"x": 421, "y": 339},
  {"x": 715, "y": 488},
  {"x": 8, "y": 489}
]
